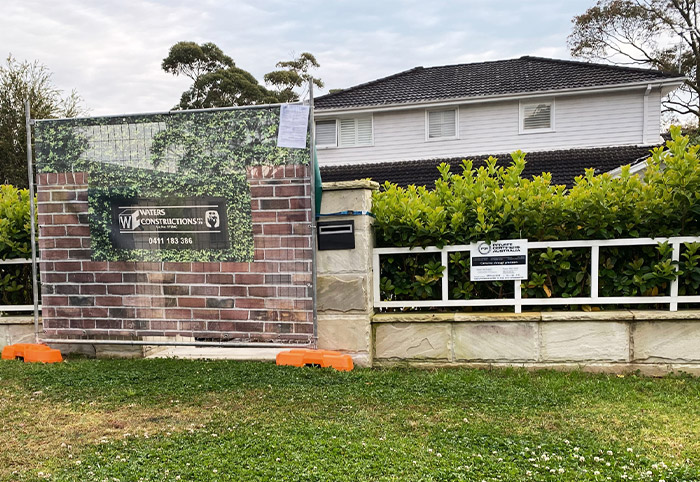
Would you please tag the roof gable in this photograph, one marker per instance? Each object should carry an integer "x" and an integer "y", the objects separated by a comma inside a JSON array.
[{"x": 485, "y": 79}]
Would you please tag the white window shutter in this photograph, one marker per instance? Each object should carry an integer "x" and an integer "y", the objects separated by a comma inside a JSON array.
[
  {"x": 326, "y": 133},
  {"x": 355, "y": 132},
  {"x": 364, "y": 131},
  {"x": 434, "y": 124},
  {"x": 442, "y": 124},
  {"x": 537, "y": 116},
  {"x": 347, "y": 132}
]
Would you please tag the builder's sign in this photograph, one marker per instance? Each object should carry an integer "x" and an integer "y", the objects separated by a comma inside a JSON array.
[
  {"x": 169, "y": 223},
  {"x": 499, "y": 260}
]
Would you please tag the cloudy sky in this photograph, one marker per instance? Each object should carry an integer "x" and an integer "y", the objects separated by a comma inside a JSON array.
[{"x": 110, "y": 51}]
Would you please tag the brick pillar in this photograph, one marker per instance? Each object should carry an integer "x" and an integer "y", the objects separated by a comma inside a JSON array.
[{"x": 344, "y": 288}]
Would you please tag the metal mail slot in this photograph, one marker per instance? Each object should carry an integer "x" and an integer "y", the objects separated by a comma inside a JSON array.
[{"x": 336, "y": 235}]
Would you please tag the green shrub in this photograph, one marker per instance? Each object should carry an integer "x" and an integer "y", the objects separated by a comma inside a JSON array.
[
  {"x": 15, "y": 242},
  {"x": 491, "y": 203}
]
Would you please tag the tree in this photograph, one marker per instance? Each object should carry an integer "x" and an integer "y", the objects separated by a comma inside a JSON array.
[
  {"x": 192, "y": 60},
  {"x": 293, "y": 73},
  {"x": 218, "y": 82},
  {"x": 225, "y": 88},
  {"x": 20, "y": 81},
  {"x": 662, "y": 34}
]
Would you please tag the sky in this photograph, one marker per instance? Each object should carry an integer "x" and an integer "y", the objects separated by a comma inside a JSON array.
[{"x": 110, "y": 52}]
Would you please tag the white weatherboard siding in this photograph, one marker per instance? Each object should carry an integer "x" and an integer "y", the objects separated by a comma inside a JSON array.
[
  {"x": 653, "y": 126},
  {"x": 593, "y": 120}
]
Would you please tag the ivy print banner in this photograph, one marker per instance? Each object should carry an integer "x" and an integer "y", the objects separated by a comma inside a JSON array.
[{"x": 167, "y": 187}]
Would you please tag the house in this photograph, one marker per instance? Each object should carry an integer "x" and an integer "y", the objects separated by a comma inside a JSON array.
[{"x": 566, "y": 115}]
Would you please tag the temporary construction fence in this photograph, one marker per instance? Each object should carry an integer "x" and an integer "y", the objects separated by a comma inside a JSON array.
[
  {"x": 190, "y": 226},
  {"x": 517, "y": 301}
]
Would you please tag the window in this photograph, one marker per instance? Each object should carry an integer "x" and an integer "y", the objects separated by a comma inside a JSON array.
[
  {"x": 345, "y": 132},
  {"x": 537, "y": 117},
  {"x": 355, "y": 132},
  {"x": 325, "y": 133},
  {"x": 441, "y": 124}
]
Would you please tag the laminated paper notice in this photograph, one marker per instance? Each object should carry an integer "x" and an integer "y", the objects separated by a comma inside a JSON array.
[
  {"x": 499, "y": 261},
  {"x": 294, "y": 123}
]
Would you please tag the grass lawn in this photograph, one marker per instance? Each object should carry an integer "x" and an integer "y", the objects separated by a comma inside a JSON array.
[{"x": 88, "y": 420}]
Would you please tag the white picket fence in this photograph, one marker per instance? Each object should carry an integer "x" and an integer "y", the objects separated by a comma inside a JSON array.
[
  {"x": 17, "y": 308},
  {"x": 517, "y": 301}
]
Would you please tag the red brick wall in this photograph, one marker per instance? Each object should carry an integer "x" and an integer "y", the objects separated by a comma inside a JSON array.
[{"x": 268, "y": 299}]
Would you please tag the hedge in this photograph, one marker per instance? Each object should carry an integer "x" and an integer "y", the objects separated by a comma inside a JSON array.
[
  {"x": 490, "y": 203},
  {"x": 15, "y": 242}
]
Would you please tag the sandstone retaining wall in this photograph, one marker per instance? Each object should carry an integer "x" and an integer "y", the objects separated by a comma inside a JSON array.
[{"x": 654, "y": 342}]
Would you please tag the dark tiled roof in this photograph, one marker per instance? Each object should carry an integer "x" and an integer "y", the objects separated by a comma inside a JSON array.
[
  {"x": 564, "y": 165},
  {"x": 526, "y": 74}
]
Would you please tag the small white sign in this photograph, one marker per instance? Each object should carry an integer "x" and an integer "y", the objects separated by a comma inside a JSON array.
[
  {"x": 499, "y": 261},
  {"x": 294, "y": 123}
]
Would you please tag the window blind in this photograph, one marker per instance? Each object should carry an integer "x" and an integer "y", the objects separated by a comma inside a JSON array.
[
  {"x": 325, "y": 133},
  {"x": 442, "y": 123},
  {"x": 537, "y": 116},
  {"x": 356, "y": 132}
]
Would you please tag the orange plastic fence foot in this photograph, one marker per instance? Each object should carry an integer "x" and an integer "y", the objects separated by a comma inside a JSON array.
[
  {"x": 37, "y": 353},
  {"x": 324, "y": 358},
  {"x": 339, "y": 362},
  {"x": 11, "y": 352},
  {"x": 31, "y": 352},
  {"x": 290, "y": 359},
  {"x": 8, "y": 352}
]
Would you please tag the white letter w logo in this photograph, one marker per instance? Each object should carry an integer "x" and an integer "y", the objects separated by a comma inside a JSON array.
[
  {"x": 129, "y": 220},
  {"x": 125, "y": 221}
]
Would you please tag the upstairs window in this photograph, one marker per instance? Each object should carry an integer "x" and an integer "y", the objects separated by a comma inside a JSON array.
[
  {"x": 326, "y": 133},
  {"x": 345, "y": 132},
  {"x": 441, "y": 124},
  {"x": 537, "y": 117},
  {"x": 356, "y": 131}
]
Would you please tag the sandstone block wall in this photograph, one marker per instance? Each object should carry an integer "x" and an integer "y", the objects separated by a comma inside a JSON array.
[
  {"x": 655, "y": 342},
  {"x": 16, "y": 329}
]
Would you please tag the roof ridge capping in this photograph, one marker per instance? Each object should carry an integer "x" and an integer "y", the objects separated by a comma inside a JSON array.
[
  {"x": 482, "y": 62},
  {"x": 607, "y": 66},
  {"x": 370, "y": 82}
]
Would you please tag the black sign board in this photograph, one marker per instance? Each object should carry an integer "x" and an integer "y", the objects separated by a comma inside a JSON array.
[
  {"x": 500, "y": 261},
  {"x": 169, "y": 223}
]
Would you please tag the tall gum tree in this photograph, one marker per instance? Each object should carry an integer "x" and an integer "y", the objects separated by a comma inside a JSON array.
[
  {"x": 293, "y": 74},
  {"x": 662, "y": 34},
  {"x": 218, "y": 82}
]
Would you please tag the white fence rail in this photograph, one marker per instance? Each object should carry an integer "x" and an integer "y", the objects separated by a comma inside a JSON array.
[
  {"x": 17, "y": 308},
  {"x": 517, "y": 301}
]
